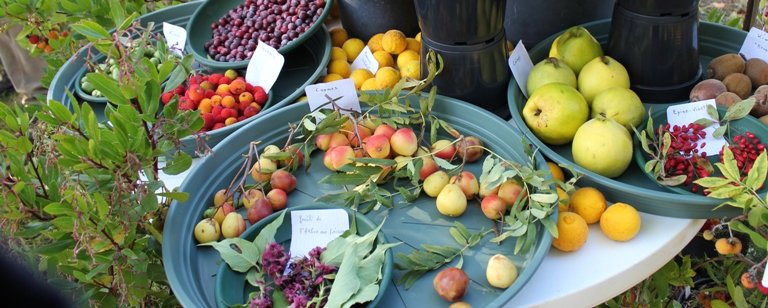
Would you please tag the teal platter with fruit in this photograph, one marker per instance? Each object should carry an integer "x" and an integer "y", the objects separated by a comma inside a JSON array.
[
  {"x": 633, "y": 186},
  {"x": 748, "y": 124},
  {"x": 308, "y": 15},
  {"x": 303, "y": 66},
  {"x": 192, "y": 269},
  {"x": 232, "y": 287}
]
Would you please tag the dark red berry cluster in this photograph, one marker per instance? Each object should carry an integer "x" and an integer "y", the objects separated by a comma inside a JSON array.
[
  {"x": 745, "y": 148},
  {"x": 683, "y": 157},
  {"x": 275, "y": 22}
]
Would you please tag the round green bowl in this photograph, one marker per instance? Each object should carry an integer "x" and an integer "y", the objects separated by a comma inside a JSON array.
[
  {"x": 85, "y": 95},
  {"x": 231, "y": 286},
  {"x": 199, "y": 31},
  {"x": 740, "y": 126},
  {"x": 191, "y": 270},
  {"x": 634, "y": 187}
]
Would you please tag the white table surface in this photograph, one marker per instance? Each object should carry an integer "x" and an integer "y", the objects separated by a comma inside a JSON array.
[{"x": 598, "y": 271}]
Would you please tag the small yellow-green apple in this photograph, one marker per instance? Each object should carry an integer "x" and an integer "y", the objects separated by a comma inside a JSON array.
[
  {"x": 555, "y": 112},
  {"x": 620, "y": 104},
  {"x": 207, "y": 230},
  {"x": 223, "y": 211},
  {"x": 548, "y": 71},
  {"x": 576, "y": 47},
  {"x": 602, "y": 146},
  {"x": 221, "y": 196},
  {"x": 428, "y": 166},
  {"x": 451, "y": 201},
  {"x": 404, "y": 142},
  {"x": 385, "y": 130},
  {"x": 467, "y": 182},
  {"x": 493, "y": 207},
  {"x": 444, "y": 149},
  {"x": 233, "y": 225},
  {"x": 435, "y": 182},
  {"x": 377, "y": 146},
  {"x": 500, "y": 272},
  {"x": 262, "y": 170},
  {"x": 510, "y": 191},
  {"x": 600, "y": 74},
  {"x": 250, "y": 196},
  {"x": 338, "y": 156},
  {"x": 278, "y": 198}
]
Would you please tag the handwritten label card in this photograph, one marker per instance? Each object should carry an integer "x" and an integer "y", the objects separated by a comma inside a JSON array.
[
  {"x": 312, "y": 228},
  {"x": 176, "y": 37},
  {"x": 264, "y": 67},
  {"x": 342, "y": 92},
  {"x": 688, "y": 113},
  {"x": 755, "y": 45},
  {"x": 521, "y": 65},
  {"x": 366, "y": 60}
]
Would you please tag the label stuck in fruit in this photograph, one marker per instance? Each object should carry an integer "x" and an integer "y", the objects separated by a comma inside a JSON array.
[
  {"x": 521, "y": 65},
  {"x": 341, "y": 92},
  {"x": 175, "y": 37},
  {"x": 683, "y": 114},
  {"x": 755, "y": 45},
  {"x": 312, "y": 228},
  {"x": 264, "y": 66},
  {"x": 366, "y": 60}
]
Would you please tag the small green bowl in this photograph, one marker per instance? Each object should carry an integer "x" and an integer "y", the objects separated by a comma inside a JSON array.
[
  {"x": 740, "y": 126},
  {"x": 231, "y": 286},
  {"x": 199, "y": 31},
  {"x": 79, "y": 89}
]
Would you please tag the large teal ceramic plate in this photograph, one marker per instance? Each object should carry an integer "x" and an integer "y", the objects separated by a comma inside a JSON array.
[
  {"x": 303, "y": 67},
  {"x": 190, "y": 269},
  {"x": 633, "y": 186}
]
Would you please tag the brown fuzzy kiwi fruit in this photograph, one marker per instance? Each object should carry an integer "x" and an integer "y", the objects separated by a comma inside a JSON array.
[
  {"x": 757, "y": 70},
  {"x": 761, "y": 102},
  {"x": 725, "y": 65},
  {"x": 738, "y": 83},
  {"x": 727, "y": 99},
  {"x": 707, "y": 89}
]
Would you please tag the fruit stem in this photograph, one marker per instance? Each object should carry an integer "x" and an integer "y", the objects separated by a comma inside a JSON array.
[{"x": 605, "y": 60}]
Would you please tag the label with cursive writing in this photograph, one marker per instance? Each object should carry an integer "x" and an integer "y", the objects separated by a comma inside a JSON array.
[
  {"x": 312, "y": 228},
  {"x": 341, "y": 92},
  {"x": 264, "y": 66},
  {"x": 521, "y": 65},
  {"x": 755, "y": 45},
  {"x": 683, "y": 114},
  {"x": 366, "y": 60},
  {"x": 175, "y": 37}
]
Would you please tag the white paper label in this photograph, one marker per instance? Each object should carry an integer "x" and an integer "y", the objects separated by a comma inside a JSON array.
[
  {"x": 765, "y": 277},
  {"x": 684, "y": 114},
  {"x": 264, "y": 67},
  {"x": 312, "y": 228},
  {"x": 521, "y": 65},
  {"x": 755, "y": 45},
  {"x": 175, "y": 37},
  {"x": 342, "y": 92},
  {"x": 366, "y": 60}
]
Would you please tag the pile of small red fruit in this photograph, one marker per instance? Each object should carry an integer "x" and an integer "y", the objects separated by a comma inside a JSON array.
[{"x": 222, "y": 99}]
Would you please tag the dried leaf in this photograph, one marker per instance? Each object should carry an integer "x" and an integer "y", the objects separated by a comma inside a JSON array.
[{"x": 739, "y": 110}]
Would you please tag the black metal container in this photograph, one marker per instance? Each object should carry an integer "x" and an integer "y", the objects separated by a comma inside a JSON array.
[
  {"x": 476, "y": 73},
  {"x": 659, "y": 7},
  {"x": 460, "y": 22},
  {"x": 534, "y": 21},
  {"x": 660, "y": 52},
  {"x": 364, "y": 18}
]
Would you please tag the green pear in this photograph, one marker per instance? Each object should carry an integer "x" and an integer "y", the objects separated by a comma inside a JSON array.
[
  {"x": 600, "y": 74},
  {"x": 550, "y": 70},
  {"x": 451, "y": 201},
  {"x": 602, "y": 146},
  {"x": 554, "y": 113},
  {"x": 620, "y": 104},
  {"x": 576, "y": 47},
  {"x": 435, "y": 182}
]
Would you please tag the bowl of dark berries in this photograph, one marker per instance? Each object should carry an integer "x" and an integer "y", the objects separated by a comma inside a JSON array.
[
  {"x": 259, "y": 270},
  {"x": 224, "y": 34},
  {"x": 675, "y": 157}
]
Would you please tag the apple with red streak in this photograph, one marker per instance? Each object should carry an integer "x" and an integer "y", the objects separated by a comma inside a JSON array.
[
  {"x": 278, "y": 198},
  {"x": 283, "y": 180},
  {"x": 444, "y": 149},
  {"x": 493, "y": 207},
  {"x": 377, "y": 146},
  {"x": 262, "y": 208},
  {"x": 467, "y": 182}
]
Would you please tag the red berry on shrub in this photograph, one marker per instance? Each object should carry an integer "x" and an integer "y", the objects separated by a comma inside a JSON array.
[
  {"x": 34, "y": 39},
  {"x": 229, "y": 113},
  {"x": 224, "y": 79},
  {"x": 208, "y": 120},
  {"x": 218, "y": 125},
  {"x": 216, "y": 110},
  {"x": 166, "y": 97},
  {"x": 250, "y": 111},
  {"x": 214, "y": 78}
]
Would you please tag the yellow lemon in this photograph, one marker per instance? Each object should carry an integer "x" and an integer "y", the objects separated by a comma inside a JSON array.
[
  {"x": 338, "y": 54},
  {"x": 332, "y": 77},
  {"x": 411, "y": 69},
  {"x": 374, "y": 43},
  {"x": 620, "y": 222},
  {"x": 406, "y": 57},
  {"x": 384, "y": 59},
  {"x": 563, "y": 201},
  {"x": 572, "y": 232},
  {"x": 340, "y": 67},
  {"x": 589, "y": 203},
  {"x": 418, "y": 37},
  {"x": 359, "y": 76},
  {"x": 394, "y": 42},
  {"x": 353, "y": 47},
  {"x": 557, "y": 172},
  {"x": 387, "y": 77},
  {"x": 369, "y": 84},
  {"x": 338, "y": 36},
  {"x": 413, "y": 44}
]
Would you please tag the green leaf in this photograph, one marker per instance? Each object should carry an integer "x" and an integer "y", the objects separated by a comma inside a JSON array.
[
  {"x": 755, "y": 216},
  {"x": 254, "y": 276},
  {"x": 410, "y": 277},
  {"x": 16, "y": 9},
  {"x": 756, "y": 238},
  {"x": 58, "y": 209},
  {"x": 90, "y": 30},
  {"x": 712, "y": 182},
  {"x": 179, "y": 163},
  {"x": 267, "y": 234},
  {"x": 756, "y": 176},
  {"x": 375, "y": 161},
  {"x": 370, "y": 267},
  {"x": 445, "y": 251},
  {"x": 444, "y": 164},
  {"x": 346, "y": 283},
  {"x": 127, "y": 21},
  {"x": 344, "y": 179},
  {"x": 672, "y": 181},
  {"x": 58, "y": 245},
  {"x": 720, "y": 131},
  {"x": 725, "y": 192},
  {"x": 365, "y": 294},
  {"x": 729, "y": 168},
  {"x": 117, "y": 11},
  {"x": 461, "y": 240},
  {"x": 240, "y": 254},
  {"x": 178, "y": 196},
  {"x": 108, "y": 87},
  {"x": 712, "y": 113},
  {"x": 60, "y": 112},
  {"x": 547, "y": 198},
  {"x": 739, "y": 110},
  {"x": 736, "y": 293}
]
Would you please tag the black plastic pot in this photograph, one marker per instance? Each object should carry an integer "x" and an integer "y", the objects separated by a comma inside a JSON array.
[
  {"x": 659, "y": 7},
  {"x": 460, "y": 22},
  {"x": 534, "y": 21},
  {"x": 661, "y": 53},
  {"x": 364, "y": 18},
  {"x": 477, "y": 73}
]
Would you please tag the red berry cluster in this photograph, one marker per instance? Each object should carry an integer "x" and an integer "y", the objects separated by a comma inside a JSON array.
[
  {"x": 42, "y": 42},
  {"x": 745, "y": 148},
  {"x": 222, "y": 100},
  {"x": 683, "y": 157},
  {"x": 275, "y": 22}
]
